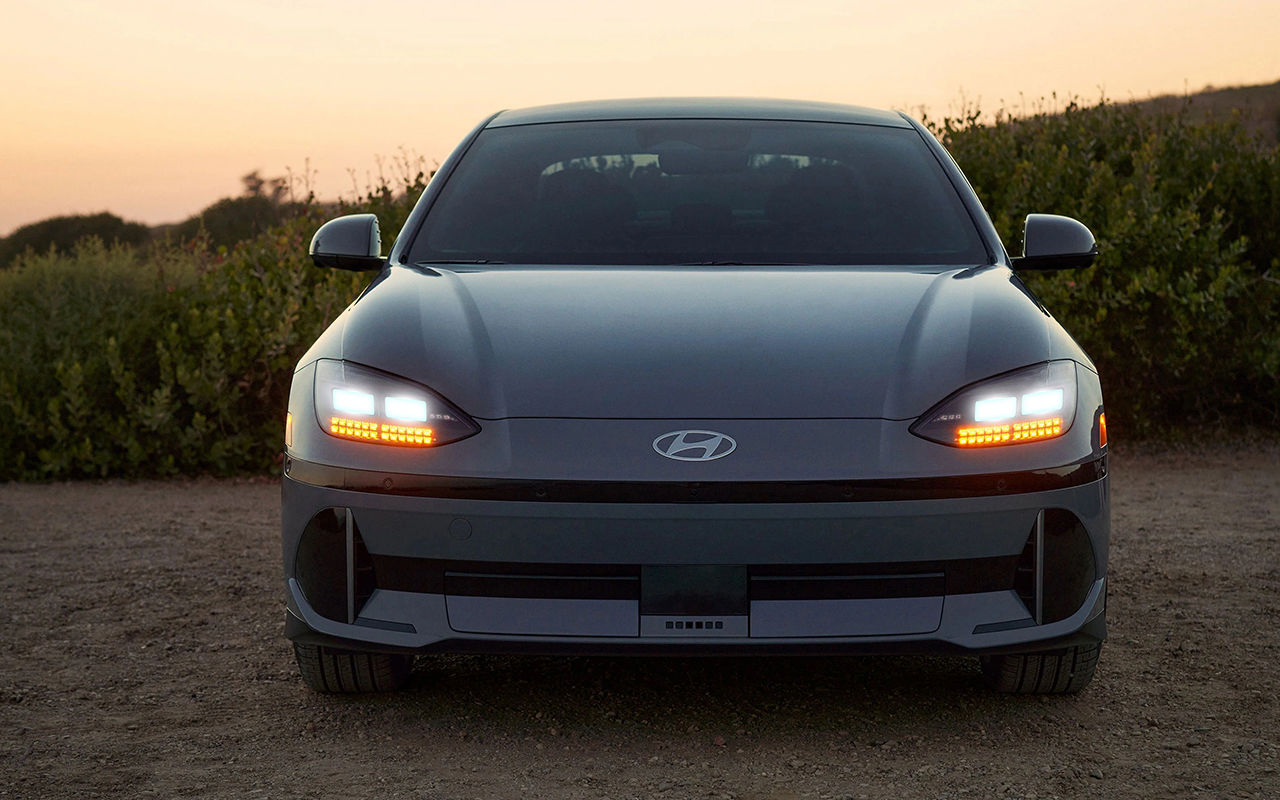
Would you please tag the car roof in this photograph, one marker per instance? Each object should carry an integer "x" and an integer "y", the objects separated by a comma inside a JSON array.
[{"x": 699, "y": 108}]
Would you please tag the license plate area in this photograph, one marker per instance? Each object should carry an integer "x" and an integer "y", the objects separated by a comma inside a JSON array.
[{"x": 694, "y": 600}]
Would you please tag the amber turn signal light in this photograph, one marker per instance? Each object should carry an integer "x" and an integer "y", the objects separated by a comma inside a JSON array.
[
  {"x": 987, "y": 435},
  {"x": 385, "y": 433}
]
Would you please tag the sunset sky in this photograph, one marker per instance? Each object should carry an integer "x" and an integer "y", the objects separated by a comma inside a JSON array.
[{"x": 152, "y": 109}]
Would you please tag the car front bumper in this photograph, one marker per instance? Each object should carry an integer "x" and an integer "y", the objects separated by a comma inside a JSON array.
[{"x": 376, "y": 562}]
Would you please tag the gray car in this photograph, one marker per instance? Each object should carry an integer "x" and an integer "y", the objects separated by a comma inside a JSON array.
[{"x": 697, "y": 376}]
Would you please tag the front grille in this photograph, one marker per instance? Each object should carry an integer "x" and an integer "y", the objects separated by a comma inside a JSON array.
[
  {"x": 847, "y": 587},
  {"x": 764, "y": 582},
  {"x": 563, "y": 587}
]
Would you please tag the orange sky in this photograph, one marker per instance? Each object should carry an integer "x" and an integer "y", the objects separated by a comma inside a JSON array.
[{"x": 152, "y": 109}]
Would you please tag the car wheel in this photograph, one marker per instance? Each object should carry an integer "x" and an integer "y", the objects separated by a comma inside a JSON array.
[
  {"x": 344, "y": 671},
  {"x": 1058, "y": 672}
]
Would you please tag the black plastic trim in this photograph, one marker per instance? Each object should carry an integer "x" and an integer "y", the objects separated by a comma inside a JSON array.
[
  {"x": 385, "y": 625},
  {"x": 847, "y": 491},
  {"x": 767, "y": 581},
  {"x": 542, "y": 586},
  {"x": 994, "y": 627},
  {"x": 695, "y": 590},
  {"x": 1068, "y": 261},
  {"x": 848, "y": 587},
  {"x": 349, "y": 263},
  {"x": 1092, "y": 632}
]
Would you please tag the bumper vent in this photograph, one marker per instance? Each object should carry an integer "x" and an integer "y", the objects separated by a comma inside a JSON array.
[
  {"x": 1056, "y": 567},
  {"x": 333, "y": 566},
  {"x": 1024, "y": 579}
]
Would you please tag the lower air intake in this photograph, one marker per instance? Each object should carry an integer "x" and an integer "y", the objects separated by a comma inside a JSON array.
[
  {"x": 1056, "y": 568},
  {"x": 333, "y": 566}
]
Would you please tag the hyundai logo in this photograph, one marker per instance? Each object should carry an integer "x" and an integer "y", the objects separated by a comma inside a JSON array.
[{"x": 694, "y": 445}]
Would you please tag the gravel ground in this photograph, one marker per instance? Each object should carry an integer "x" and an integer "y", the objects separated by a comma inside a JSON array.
[{"x": 142, "y": 656}]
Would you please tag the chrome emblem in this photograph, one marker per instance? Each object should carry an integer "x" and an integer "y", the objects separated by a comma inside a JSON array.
[{"x": 694, "y": 445}]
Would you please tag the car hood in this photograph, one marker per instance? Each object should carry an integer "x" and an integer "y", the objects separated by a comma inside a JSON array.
[{"x": 696, "y": 343}]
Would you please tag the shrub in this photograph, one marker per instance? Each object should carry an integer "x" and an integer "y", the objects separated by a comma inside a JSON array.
[
  {"x": 64, "y": 320},
  {"x": 1180, "y": 310},
  {"x": 122, "y": 362},
  {"x": 174, "y": 358},
  {"x": 62, "y": 233},
  {"x": 265, "y": 203},
  {"x": 232, "y": 220}
]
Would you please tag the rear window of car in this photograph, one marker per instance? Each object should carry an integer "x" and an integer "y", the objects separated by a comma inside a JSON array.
[{"x": 699, "y": 191}]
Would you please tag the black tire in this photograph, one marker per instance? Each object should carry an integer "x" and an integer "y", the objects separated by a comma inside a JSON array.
[
  {"x": 1058, "y": 672},
  {"x": 344, "y": 671}
]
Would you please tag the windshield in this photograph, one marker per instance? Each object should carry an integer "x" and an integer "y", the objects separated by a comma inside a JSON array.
[{"x": 699, "y": 192}]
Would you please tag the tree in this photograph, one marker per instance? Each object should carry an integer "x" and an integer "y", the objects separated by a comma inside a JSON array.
[
  {"x": 61, "y": 233},
  {"x": 234, "y": 219}
]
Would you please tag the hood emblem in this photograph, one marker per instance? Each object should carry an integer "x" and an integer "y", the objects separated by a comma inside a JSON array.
[{"x": 694, "y": 445}]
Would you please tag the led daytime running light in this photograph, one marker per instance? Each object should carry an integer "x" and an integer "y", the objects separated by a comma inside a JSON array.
[
  {"x": 385, "y": 433},
  {"x": 987, "y": 435}
]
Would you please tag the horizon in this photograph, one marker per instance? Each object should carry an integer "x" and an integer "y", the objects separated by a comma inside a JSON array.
[{"x": 153, "y": 124}]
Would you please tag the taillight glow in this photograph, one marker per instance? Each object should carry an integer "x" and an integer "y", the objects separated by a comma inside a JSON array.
[
  {"x": 382, "y": 432},
  {"x": 1102, "y": 430},
  {"x": 988, "y": 435}
]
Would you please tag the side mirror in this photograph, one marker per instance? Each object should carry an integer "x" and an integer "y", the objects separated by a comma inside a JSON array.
[
  {"x": 352, "y": 242},
  {"x": 1053, "y": 242}
]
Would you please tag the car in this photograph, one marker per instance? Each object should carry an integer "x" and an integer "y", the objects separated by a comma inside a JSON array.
[{"x": 697, "y": 377}]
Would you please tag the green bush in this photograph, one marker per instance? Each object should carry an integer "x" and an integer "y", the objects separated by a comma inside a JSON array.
[
  {"x": 175, "y": 360},
  {"x": 62, "y": 233},
  {"x": 265, "y": 203},
  {"x": 1180, "y": 310},
  {"x": 234, "y": 219}
]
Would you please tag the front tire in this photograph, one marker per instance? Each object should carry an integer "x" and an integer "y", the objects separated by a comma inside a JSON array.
[
  {"x": 347, "y": 672},
  {"x": 1059, "y": 672}
]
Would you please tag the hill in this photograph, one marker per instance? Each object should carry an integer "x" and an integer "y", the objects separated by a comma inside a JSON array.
[{"x": 1258, "y": 106}]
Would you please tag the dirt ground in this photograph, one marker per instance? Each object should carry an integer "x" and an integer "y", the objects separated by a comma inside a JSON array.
[{"x": 141, "y": 655}]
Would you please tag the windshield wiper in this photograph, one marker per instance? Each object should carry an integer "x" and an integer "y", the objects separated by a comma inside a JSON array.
[
  {"x": 459, "y": 261},
  {"x": 742, "y": 264}
]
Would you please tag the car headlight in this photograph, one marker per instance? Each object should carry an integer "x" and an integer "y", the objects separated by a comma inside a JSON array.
[
  {"x": 1026, "y": 405},
  {"x": 363, "y": 404}
]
